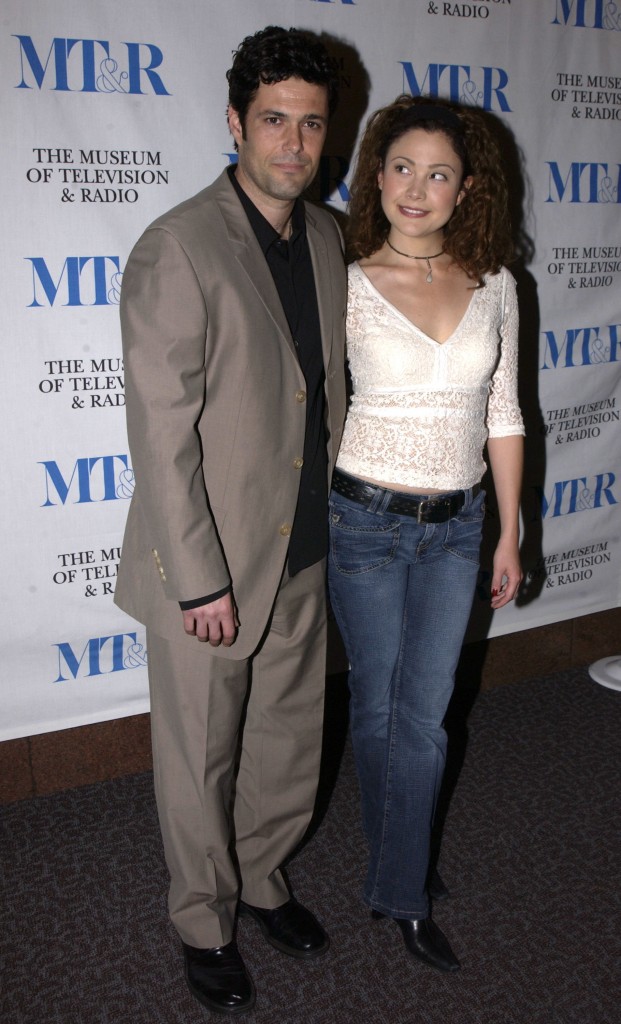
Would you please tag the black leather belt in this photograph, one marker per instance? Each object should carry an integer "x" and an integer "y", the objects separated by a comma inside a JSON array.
[{"x": 433, "y": 509}]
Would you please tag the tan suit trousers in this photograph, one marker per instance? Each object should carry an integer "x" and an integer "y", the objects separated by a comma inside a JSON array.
[{"x": 222, "y": 827}]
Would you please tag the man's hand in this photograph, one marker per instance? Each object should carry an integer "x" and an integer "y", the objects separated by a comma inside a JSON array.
[{"x": 215, "y": 623}]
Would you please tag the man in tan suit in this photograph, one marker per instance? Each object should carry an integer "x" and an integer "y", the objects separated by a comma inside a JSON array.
[{"x": 232, "y": 312}]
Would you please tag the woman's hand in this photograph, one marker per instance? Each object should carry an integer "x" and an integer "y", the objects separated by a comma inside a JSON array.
[{"x": 507, "y": 574}]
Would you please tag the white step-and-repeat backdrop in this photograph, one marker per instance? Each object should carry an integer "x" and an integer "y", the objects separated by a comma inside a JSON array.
[{"x": 115, "y": 112}]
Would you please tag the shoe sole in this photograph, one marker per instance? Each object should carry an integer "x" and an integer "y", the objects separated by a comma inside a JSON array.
[
  {"x": 217, "y": 1007},
  {"x": 445, "y": 968}
]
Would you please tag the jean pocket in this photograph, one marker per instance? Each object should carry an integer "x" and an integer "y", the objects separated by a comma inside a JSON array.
[
  {"x": 474, "y": 511},
  {"x": 361, "y": 541}
]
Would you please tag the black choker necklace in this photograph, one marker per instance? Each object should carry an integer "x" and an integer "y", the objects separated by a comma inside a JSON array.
[{"x": 409, "y": 256}]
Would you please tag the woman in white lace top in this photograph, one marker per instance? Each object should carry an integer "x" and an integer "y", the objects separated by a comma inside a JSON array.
[{"x": 432, "y": 348}]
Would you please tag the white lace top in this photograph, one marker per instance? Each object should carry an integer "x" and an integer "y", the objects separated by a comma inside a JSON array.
[{"x": 421, "y": 412}]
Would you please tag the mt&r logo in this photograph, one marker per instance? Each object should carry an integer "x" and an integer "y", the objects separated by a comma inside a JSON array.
[
  {"x": 483, "y": 86},
  {"x": 87, "y": 65},
  {"x": 587, "y": 182},
  {"x": 100, "y": 655},
  {"x": 581, "y": 494},
  {"x": 85, "y": 280},
  {"x": 99, "y": 478},
  {"x": 602, "y": 14}
]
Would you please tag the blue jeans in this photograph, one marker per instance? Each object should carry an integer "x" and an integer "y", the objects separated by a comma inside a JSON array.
[{"x": 401, "y": 593}]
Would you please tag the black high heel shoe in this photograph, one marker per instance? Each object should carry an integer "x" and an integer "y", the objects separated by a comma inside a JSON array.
[{"x": 424, "y": 940}]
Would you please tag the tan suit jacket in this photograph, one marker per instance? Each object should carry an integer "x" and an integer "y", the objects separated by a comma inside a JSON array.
[{"x": 216, "y": 410}]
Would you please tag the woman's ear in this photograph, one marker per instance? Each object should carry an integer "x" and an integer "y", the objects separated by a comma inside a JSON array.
[{"x": 463, "y": 192}]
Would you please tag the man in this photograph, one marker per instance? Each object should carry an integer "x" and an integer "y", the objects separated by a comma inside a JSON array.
[{"x": 232, "y": 313}]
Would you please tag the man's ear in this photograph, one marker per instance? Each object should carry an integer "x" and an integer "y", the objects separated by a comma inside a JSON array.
[{"x": 235, "y": 126}]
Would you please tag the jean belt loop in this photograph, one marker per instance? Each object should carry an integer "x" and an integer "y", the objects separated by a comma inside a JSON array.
[
  {"x": 385, "y": 502},
  {"x": 378, "y": 499}
]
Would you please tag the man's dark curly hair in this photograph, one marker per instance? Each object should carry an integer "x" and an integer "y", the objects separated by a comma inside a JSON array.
[
  {"x": 478, "y": 235},
  {"x": 271, "y": 56}
]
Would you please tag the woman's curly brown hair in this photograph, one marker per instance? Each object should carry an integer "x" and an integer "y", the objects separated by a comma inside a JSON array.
[{"x": 478, "y": 235}]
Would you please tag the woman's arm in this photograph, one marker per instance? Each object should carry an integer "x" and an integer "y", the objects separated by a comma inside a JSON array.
[{"x": 506, "y": 460}]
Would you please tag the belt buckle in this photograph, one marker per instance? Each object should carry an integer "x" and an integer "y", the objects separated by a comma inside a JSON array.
[{"x": 420, "y": 511}]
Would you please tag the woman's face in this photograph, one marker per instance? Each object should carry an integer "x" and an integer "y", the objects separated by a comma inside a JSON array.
[{"x": 421, "y": 183}]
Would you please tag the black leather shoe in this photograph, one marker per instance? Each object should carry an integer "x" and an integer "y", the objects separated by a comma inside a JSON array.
[
  {"x": 424, "y": 940},
  {"x": 436, "y": 887},
  {"x": 218, "y": 978},
  {"x": 291, "y": 928}
]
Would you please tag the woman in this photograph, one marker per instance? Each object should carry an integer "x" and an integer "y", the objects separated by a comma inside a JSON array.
[{"x": 432, "y": 348}]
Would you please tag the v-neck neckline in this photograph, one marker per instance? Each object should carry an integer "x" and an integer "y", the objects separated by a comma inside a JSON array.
[{"x": 439, "y": 344}]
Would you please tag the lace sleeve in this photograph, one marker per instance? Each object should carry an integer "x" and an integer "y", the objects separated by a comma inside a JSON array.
[{"x": 503, "y": 412}]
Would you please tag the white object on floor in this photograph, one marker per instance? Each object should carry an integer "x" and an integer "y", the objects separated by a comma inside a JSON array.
[{"x": 607, "y": 672}]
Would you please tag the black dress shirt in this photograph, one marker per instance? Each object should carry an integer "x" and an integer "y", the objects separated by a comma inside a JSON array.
[{"x": 292, "y": 271}]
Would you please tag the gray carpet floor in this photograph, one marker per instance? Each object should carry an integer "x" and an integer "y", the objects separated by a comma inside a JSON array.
[{"x": 531, "y": 851}]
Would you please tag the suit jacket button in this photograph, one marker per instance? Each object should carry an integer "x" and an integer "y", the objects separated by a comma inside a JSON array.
[
  {"x": 300, "y": 396},
  {"x": 285, "y": 529},
  {"x": 298, "y": 463}
]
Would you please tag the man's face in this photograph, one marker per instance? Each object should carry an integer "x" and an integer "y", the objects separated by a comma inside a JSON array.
[{"x": 281, "y": 143}]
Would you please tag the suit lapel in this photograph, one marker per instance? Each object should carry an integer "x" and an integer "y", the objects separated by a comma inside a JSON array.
[
  {"x": 323, "y": 283},
  {"x": 254, "y": 265},
  {"x": 248, "y": 254}
]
